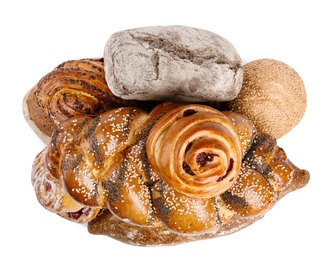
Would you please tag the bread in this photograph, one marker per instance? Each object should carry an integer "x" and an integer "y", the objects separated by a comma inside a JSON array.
[
  {"x": 172, "y": 63},
  {"x": 73, "y": 88},
  {"x": 272, "y": 96},
  {"x": 153, "y": 173},
  {"x": 108, "y": 224},
  {"x": 56, "y": 198},
  {"x": 37, "y": 117},
  {"x": 105, "y": 164}
]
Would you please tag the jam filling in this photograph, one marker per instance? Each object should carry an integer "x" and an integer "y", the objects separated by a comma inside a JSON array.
[
  {"x": 187, "y": 169},
  {"x": 48, "y": 186},
  {"x": 188, "y": 112},
  {"x": 203, "y": 158},
  {"x": 77, "y": 214}
]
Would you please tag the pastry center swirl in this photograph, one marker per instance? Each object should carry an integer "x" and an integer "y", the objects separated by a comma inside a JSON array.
[{"x": 196, "y": 150}]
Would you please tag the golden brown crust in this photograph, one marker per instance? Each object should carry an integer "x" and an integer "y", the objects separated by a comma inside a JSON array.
[
  {"x": 53, "y": 196},
  {"x": 109, "y": 225},
  {"x": 244, "y": 127},
  {"x": 36, "y": 116},
  {"x": 103, "y": 163},
  {"x": 272, "y": 96},
  {"x": 73, "y": 88},
  {"x": 196, "y": 150}
]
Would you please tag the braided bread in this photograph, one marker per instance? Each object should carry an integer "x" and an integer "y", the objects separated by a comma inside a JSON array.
[{"x": 179, "y": 173}]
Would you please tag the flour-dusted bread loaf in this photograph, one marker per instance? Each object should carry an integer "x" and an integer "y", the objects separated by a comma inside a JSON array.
[{"x": 172, "y": 63}]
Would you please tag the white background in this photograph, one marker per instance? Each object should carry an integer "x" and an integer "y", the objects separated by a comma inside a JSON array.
[{"x": 36, "y": 36}]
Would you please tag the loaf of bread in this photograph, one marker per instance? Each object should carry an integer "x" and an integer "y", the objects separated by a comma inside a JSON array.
[
  {"x": 172, "y": 63},
  {"x": 153, "y": 184}
]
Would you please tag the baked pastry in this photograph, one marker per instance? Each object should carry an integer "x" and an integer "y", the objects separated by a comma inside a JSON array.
[
  {"x": 179, "y": 173},
  {"x": 73, "y": 88},
  {"x": 53, "y": 196}
]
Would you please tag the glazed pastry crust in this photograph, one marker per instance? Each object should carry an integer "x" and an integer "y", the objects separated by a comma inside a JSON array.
[
  {"x": 52, "y": 195},
  {"x": 102, "y": 163},
  {"x": 108, "y": 224},
  {"x": 73, "y": 88}
]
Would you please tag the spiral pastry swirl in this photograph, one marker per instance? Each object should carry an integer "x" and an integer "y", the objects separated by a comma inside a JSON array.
[
  {"x": 77, "y": 88},
  {"x": 196, "y": 150}
]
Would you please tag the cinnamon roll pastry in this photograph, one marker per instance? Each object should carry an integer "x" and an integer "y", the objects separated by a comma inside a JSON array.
[
  {"x": 196, "y": 150},
  {"x": 179, "y": 173},
  {"x": 73, "y": 88}
]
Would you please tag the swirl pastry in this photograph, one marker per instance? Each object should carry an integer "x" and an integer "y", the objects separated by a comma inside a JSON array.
[
  {"x": 196, "y": 150},
  {"x": 73, "y": 88},
  {"x": 179, "y": 173}
]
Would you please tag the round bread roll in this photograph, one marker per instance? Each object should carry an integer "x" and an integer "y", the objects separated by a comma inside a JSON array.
[{"x": 273, "y": 96}]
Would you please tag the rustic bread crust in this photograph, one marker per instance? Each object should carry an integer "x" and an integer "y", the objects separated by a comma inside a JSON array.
[
  {"x": 108, "y": 224},
  {"x": 36, "y": 116}
]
